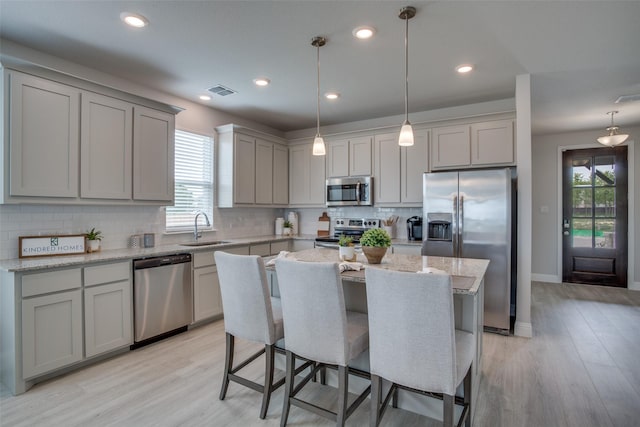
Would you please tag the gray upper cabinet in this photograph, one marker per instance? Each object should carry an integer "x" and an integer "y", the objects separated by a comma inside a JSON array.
[
  {"x": 251, "y": 168},
  {"x": 473, "y": 145},
  {"x": 307, "y": 177},
  {"x": 72, "y": 145},
  {"x": 105, "y": 147},
  {"x": 153, "y": 155},
  {"x": 349, "y": 157},
  {"x": 44, "y": 122}
]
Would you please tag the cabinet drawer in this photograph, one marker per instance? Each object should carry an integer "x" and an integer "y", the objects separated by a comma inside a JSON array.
[
  {"x": 276, "y": 247},
  {"x": 203, "y": 259},
  {"x": 262, "y": 249},
  {"x": 50, "y": 281},
  {"x": 106, "y": 273}
]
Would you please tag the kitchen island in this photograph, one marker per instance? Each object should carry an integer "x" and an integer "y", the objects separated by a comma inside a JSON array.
[{"x": 468, "y": 299}]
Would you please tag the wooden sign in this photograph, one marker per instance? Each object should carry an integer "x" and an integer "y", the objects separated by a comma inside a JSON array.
[{"x": 38, "y": 246}]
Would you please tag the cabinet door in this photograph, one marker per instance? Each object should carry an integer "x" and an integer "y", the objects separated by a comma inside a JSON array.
[
  {"x": 51, "y": 332},
  {"x": 414, "y": 162},
  {"x": 386, "y": 169},
  {"x": 107, "y": 317},
  {"x": 338, "y": 158},
  {"x": 450, "y": 147},
  {"x": 244, "y": 171},
  {"x": 44, "y": 127},
  {"x": 360, "y": 156},
  {"x": 153, "y": 155},
  {"x": 264, "y": 172},
  {"x": 261, "y": 249},
  {"x": 492, "y": 143},
  {"x": 107, "y": 133},
  {"x": 207, "y": 301},
  {"x": 307, "y": 176},
  {"x": 280, "y": 175}
]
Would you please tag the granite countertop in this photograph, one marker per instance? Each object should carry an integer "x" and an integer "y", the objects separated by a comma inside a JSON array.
[
  {"x": 467, "y": 273},
  {"x": 31, "y": 264}
]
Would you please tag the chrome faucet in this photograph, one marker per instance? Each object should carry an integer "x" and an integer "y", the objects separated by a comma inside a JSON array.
[{"x": 196, "y": 234}]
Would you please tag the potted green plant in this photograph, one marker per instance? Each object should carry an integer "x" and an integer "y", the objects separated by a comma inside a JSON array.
[
  {"x": 93, "y": 240},
  {"x": 346, "y": 248},
  {"x": 286, "y": 227},
  {"x": 375, "y": 242}
]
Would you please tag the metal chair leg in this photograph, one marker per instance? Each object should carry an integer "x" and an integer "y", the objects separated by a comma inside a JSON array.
[
  {"x": 447, "y": 403},
  {"x": 467, "y": 395},
  {"x": 228, "y": 364},
  {"x": 343, "y": 394}
]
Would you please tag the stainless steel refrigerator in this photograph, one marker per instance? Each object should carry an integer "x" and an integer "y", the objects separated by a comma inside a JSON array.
[{"x": 469, "y": 214}]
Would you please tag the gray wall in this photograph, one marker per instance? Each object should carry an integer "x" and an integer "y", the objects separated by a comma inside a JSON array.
[{"x": 546, "y": 188}]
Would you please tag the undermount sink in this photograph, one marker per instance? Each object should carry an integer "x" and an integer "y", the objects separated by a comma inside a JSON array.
[{"x": 205, "y": 243}]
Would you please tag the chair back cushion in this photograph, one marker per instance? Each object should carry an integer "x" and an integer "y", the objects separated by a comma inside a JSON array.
[
  {"x": 313, "y": 310},
  {"x": 411, "y": 329},
  {"x": 246, "y": 300}
]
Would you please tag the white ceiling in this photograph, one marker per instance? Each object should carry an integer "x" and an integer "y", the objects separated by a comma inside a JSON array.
[{"x": 581, "y": 55}]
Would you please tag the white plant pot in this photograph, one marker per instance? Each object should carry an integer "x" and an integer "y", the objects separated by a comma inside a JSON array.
[
  {"x": 347, "y": 253},
  {"x": 286, "y": 231},
  {"x": 93, "y": 245}
]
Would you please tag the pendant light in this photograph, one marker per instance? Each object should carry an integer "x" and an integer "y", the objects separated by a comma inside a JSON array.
[
  {"x": 613, "y": 138},
  {"x": 318, "y": 142},
  {"x": 406, "y": 132}
]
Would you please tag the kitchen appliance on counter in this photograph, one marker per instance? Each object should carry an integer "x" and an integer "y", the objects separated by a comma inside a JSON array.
[
  {"x": 414, "y": 228},
  {"x": 162, "y": 302},
  {"x": 350, "y": 191},
  {"x": 471, "y": 214},
  {"x": 353, "y": 227}
]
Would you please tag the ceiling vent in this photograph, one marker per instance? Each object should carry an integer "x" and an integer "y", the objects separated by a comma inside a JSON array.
[
  {"x": 221, "y": 90},
  {"x": 628, "y": 98}
]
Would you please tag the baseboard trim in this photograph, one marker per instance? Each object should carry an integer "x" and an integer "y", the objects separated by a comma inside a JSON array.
[
  {"x": 635, "y": 286},
  {"x": 549, "y": 278},
  {"x": 523, "y": 329}
]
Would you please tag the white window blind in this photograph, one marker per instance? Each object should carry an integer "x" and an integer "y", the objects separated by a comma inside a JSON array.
[{"x": 193, "y": 180}]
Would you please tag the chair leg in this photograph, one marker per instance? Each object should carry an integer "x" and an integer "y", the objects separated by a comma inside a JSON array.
[
  {"x": 343, "y": 394},
  {"x": 268, "y": 380},
  {"x": 376, "y": 395},
  {"x": 447, "y": 403},
  {"x": 288, "y": 388},
  {"x": 467, "y": 395},
  {"x": 394, "y": 398},
  {"x": 228, "y": 364}
]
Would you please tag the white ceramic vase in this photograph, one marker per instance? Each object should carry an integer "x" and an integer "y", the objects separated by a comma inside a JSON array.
[{"x": 347, "y": 253}]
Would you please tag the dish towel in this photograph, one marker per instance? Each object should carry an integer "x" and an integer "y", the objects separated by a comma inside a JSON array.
[
  {"x": 431, "y": 270},
  {"x": 350, "y": 266},
  {"x": 272, "y": 261}
]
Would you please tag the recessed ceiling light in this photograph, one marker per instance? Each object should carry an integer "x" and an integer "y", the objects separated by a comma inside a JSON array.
[
  {"x": 134, "y": 19},
  {"x": 464, "y": 68},
  {"x": 364, "y": 32},
  {"x": 332, "y": 95},
  {"x": 261, "y": 81},
  {"x": 205, "y": 97}
]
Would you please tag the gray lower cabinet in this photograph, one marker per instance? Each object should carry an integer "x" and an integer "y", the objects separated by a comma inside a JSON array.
[
  {"x": 207, "y": 301},
  {"x": 51, "y": 332},
  {"x": 108, "y": 322}
]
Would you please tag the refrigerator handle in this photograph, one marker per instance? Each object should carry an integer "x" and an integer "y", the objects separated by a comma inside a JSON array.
[
  {"x": 461, "y": 224},
  {"x": 454, "y": 233}
]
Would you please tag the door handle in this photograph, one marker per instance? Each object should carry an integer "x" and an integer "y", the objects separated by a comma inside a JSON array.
[
  {"x": 566, "y": 225},
  {"x": 454, "y": 233}
]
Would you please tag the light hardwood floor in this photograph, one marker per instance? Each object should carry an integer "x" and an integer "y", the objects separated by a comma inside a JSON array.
[{"x": 581, "y": 368}]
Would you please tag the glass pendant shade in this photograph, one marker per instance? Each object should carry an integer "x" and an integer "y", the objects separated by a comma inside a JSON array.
[
  {"x": 613, "y": 138},
  {"x": 318, "y": 146},
  {"x": 406, "y": 135}
]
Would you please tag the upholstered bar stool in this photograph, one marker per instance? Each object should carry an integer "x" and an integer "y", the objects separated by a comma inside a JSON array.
[
  {"x": 249, "y": 313},
  {"x": 413, "y": 340},
  {"x": 319, "y": 328}
]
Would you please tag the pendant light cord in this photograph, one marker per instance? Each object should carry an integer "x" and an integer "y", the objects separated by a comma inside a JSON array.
[
  {"x": 318, "y": 92},
  {"x": 406, "y": 71}
]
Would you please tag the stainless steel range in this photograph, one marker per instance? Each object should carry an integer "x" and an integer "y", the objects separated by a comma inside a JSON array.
[{"x": 353, "y": 227}]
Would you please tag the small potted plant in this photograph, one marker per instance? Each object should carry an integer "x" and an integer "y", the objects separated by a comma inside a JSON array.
[
  {"x": 286, "y": 227},
  {"x": 346, "y": 248},
  {"x": 93, "y": 240},
  {"x": 375, "y": 242}
]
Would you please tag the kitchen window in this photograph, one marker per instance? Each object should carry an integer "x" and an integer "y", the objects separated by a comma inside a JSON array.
[{"x": 193, "y": 181}]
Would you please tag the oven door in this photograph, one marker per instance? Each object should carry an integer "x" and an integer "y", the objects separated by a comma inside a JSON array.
[{"x": 350, "y": 191}]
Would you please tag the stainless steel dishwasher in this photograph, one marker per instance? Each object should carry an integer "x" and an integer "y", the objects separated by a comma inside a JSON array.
[{"x": 161, "y": 297}]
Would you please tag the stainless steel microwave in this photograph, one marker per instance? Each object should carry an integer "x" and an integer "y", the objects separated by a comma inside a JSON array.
[{"x": 350, "y": 191}]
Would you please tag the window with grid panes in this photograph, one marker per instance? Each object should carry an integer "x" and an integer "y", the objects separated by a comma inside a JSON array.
[{"x": 193, "y": 181}]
